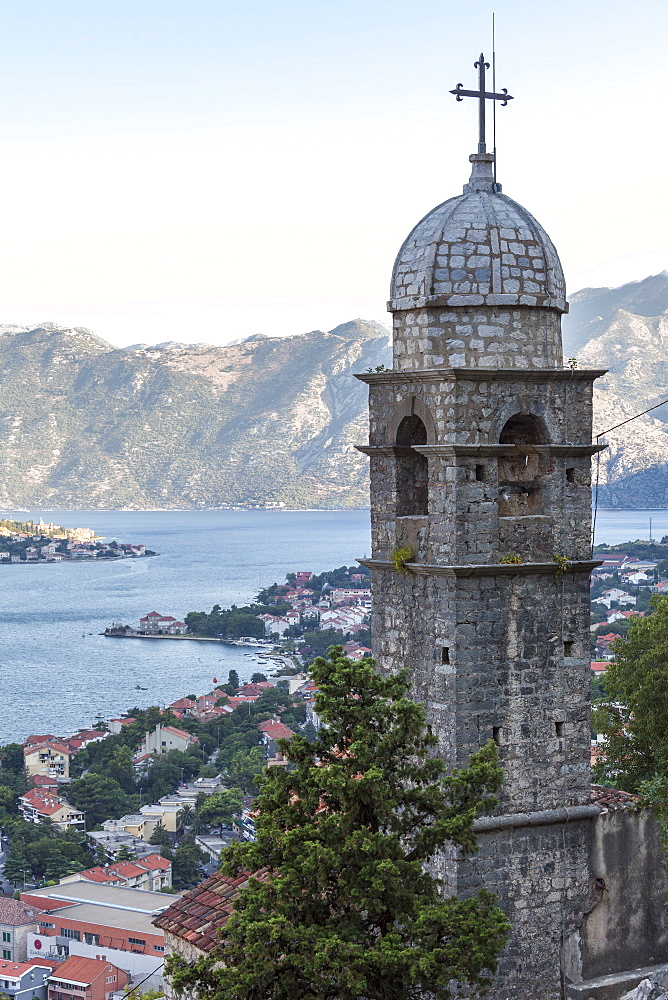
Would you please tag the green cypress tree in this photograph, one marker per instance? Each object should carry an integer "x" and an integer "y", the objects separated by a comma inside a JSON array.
[
  {"x": 16, "y": 866},
  {"x": 348, "y": 909}
]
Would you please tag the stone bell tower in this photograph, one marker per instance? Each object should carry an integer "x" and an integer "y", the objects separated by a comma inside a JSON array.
[{"x": 480, "y": 446}]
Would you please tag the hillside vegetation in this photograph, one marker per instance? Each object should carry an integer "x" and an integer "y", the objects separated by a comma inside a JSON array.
[
  {"x": 626, "y": 331},
  {"x": 274, "y": 421},
  {"x": 265, "y": 421}
]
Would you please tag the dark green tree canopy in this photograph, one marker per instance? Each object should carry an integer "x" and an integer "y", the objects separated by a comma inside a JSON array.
[
  {"x": 634, "y": 719},
  {"x": 348, "y": 910},
  {"x": 99, "y": 797}
]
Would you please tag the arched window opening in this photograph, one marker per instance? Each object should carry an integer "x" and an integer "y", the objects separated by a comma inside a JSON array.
[
  {"x": 412, "y": 469},
  {"x": 519, "y": 470},
  {"x": 522, "y": 428}
]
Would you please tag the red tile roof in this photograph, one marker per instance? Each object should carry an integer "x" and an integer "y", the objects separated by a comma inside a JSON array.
[
  {"x": 263, "y": 726},
  {"x": 15, "y": 913},
  {"x": 34, "y": 740},
  {"x": 256, "y": 687},
  {"x": 77, "y": 969},
  {"x": 129, "y": 869},
  {"x": 13, "y": 970},
  {"x": 43, "y": 745},
  {"x": 154, "y": 862},
  {"x": 43, "y": 802},
  {"x": 126, "y": 869},
  {"x": 199, "y": 915},
  {"x": 277, "y": 731},
  {"x": 102, "y": 875},
  {"x": 238, "y": 702},
  {"x": 614, "y": 798},
  {"x": 179, "y": 732}
]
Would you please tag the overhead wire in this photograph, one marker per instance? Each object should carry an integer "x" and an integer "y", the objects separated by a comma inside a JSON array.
[
  {"x": 598, "y": 460},
  {"x": 130, "y": 992}
]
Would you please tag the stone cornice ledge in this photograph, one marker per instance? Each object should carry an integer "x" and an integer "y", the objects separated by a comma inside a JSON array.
[
  {"x": 488, "y": 569},
  {"x": 543, "y": 817},
  {"x": 480, "y": 450},
  {"x": 484, "y": 375}
]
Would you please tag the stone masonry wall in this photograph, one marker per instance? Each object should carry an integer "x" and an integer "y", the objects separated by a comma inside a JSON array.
[
  {"x": 519, "y": 338},
  {"x": 507, "y": 673},
  {"x": 628, "y": 928},
  {"x": 467, "y": 522},
  {"x": 497, "y": 650},
  {"x": 544, "y": 885}
]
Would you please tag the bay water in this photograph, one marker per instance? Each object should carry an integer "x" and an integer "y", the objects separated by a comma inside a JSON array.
[{"x": 58, "y": 674}]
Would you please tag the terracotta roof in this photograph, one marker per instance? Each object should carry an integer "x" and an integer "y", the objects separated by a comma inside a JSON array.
[
  {"x": 263, "y": 726},
  {"x": 126, "y": 869},
  {"x": 278, "y": 732},
  {"x": 199, "y": 915},
  {"x": 34, "y": 740},
  {"x": 77, "y": 969},
  {"x": 15, "y": 913},
  {"x": 234, "y": 702},
  {"x": 154, "y": 862},
  {"x": 51, "y": 744},
  {"x": 102, "y": 875},
  {"x": 45, "y": 803},
  {"x": 179, "y": 732},
  {"x": 253, "y": 689},
  {"x": 13, "y": 970},
  {"x": 613, "y": 798}
]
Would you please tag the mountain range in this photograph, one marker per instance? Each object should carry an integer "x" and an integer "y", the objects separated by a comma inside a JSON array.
[
  {"x": 267, "y": 421},
  {"x": 626, "y": 331},
  {"x": 274, "y": 421}
]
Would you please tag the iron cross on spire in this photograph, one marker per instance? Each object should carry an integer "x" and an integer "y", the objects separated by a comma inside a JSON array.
[{"x": 482, "y": 96}]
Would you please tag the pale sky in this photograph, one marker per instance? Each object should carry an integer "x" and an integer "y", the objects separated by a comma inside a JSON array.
[{"x": 202, "y": 170}]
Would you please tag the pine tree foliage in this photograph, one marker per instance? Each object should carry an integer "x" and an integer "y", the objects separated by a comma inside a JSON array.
[
  {"x": 349, "y": 910},
  {"x": 634, "y": 720}
]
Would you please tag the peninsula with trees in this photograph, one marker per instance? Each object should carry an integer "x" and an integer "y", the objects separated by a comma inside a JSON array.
[{"x": 39, "y": 542}]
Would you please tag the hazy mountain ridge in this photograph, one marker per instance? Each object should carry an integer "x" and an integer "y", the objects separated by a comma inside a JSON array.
[
  {"x": 268, "y": 420},
  {"x": 626, "y": 331}
]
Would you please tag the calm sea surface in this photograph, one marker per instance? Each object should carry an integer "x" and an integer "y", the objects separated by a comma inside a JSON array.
[{"x": 57, "y": 673}]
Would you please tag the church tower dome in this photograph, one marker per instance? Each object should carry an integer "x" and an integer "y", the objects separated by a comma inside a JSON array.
[
  {"x": 484, "y": 279},
  {"x": 480, "y": 248}
]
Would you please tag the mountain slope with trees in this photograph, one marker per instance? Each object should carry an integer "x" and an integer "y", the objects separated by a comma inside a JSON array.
[
  {"x": 626, "y": 331},
  {"x": 262, "y": 422},
  {"x": 274, "y": 420}
]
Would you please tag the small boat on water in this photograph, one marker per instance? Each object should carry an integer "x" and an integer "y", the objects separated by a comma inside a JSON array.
[{"x": 138, "y": 687}]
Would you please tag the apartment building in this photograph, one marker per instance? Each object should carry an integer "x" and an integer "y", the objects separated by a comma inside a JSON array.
[
  {"x": 106, "y": 922},
  {"x": 85, "y": 979},
  {"x": 36, "y": 806},
  {"x": 24, "y": 980},
  {"x": 152, "y": 872},
  {"x": 46, "y": 755}
]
